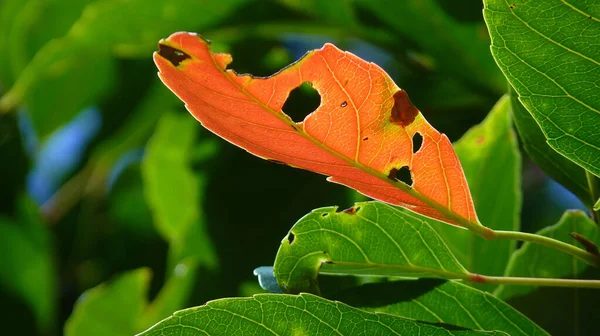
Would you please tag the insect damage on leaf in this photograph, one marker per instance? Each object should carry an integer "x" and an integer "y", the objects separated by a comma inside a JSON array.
[
  {"x": 403, "y": 112},
  {"x": 173, "y": 55},
  {"x": 363, "y": 130}
]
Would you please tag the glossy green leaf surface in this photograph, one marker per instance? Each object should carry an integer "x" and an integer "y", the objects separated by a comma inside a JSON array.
[
  {"x": 173, "y": 189},
  {"x": 440, "y": 301},
  {"x": 491, "y": 161},
  {"x": 458, "y": 48},
  {"x": 111, "y": 309},
  {"x": 558, "y": 167},
  {"x": 305, "y": 314},
  {"x": 370, "y": 238},
  {"x": 538, "y": 261},
  {"x": 549, "y": 52},
  {"x": 26, "y": 242}
]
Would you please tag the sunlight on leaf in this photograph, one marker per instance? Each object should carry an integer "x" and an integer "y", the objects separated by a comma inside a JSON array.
[
  {"x": 370, "y": 238},
  {"x": 305, "y": 314},
  {"x": 360, "y": 136}
]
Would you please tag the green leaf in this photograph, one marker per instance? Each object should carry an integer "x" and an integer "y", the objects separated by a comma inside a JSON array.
[
  {"x": 597, "y": 205},
  {"x": 119, "y": 307},
  {"x": 172, "y": 296},
  {"x": 558, "y": 167},
  {"x": 305, "y": 314},
  {"x": 60, "y": 81},
  {"x": 458, "y": 48},
  {"x": 76, "y": 70},
  {"x": 371, "y": 238},
  {"x": 548, "y": 52},
  {"x": 131, "y": 28},
  {"x": 533, "y": 260},
  {"x": 26, "y": 263},
  {"x": 173, "y": 189},
  {"x": 439, "y": 301},
  {"x": 111, "y": 309},
  {"x": 491, "y": 161}
]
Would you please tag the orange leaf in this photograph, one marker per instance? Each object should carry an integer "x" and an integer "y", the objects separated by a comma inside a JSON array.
[{"x": 361, "y": 135}]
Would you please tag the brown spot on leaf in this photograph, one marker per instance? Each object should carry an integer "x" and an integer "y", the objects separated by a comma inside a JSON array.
[
  {"x": 350, "y": 211},
  {"x": 175, "y": 56},
  {"x": 344, "y": 104},
  {"x": 403, "y": 111},
  {"x": 365, "y": 138},
  {"x": 480, "y": 140},
  {"x": 512, "y": 6}
]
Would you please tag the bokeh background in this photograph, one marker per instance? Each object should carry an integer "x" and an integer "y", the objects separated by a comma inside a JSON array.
[{"x": 103, "y": 171}]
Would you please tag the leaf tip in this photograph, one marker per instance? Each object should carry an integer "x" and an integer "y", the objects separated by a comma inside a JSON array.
[{"x": 171, "y": 54}]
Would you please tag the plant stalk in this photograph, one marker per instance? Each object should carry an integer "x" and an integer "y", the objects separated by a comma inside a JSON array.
[
  {"x": 592, "y": 182},
  {"x": 549, "y": 242},
  {"x": 499, "y": 280}
]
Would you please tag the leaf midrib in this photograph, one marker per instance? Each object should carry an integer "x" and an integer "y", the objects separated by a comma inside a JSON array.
[{"x": 399, "y": 185}]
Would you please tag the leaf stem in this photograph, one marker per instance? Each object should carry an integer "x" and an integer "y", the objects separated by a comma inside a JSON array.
[
  {"x": 592, "y": 183},
  {"x": 549, "y": 242},
  {"x": 499, "y": 280}
]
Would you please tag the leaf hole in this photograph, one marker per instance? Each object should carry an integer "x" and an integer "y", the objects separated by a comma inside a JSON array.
[
  {"x": 302, "y": 101},
  {"x": 403, "y": 175},
  {"x": 417, "y": 142},
  {"x": 325, "y": 214},
  {"x": 175, "y": 56},
  {"x": 291, "y": 237}
]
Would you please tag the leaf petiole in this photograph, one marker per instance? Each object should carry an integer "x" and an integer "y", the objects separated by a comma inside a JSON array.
[
  {"x": 549, "y": 242},
  {"x": 500, "y": 280}
]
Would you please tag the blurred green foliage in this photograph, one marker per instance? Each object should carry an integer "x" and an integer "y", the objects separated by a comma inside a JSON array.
[{"x": 147, "y": 193}]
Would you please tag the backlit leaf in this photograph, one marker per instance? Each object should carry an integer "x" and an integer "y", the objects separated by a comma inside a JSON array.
[
  {"x": 370, "y": 238},
  {"x": 360, "y": 136},
  {"x": 305, "y": 314},
  {"x": 548, "y": 51}
]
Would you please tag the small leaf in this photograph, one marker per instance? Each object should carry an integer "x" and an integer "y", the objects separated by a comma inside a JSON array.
[
  {"x": 110, "y": 309},
  {"x": 538, "y": 261},
  {"x": 439, "y": 301},
  {"x": 558, "y": 167},
  {"x": 173, "y": 190},
  {"x": 368, "y": 239},
  {"x": 305, "y": 314},
  {"x": 597, "y": 205},
  {"x": 548, "y": 52},
  {"x": 360, "y": 136},
  {"x": 490, "y": 156}
]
